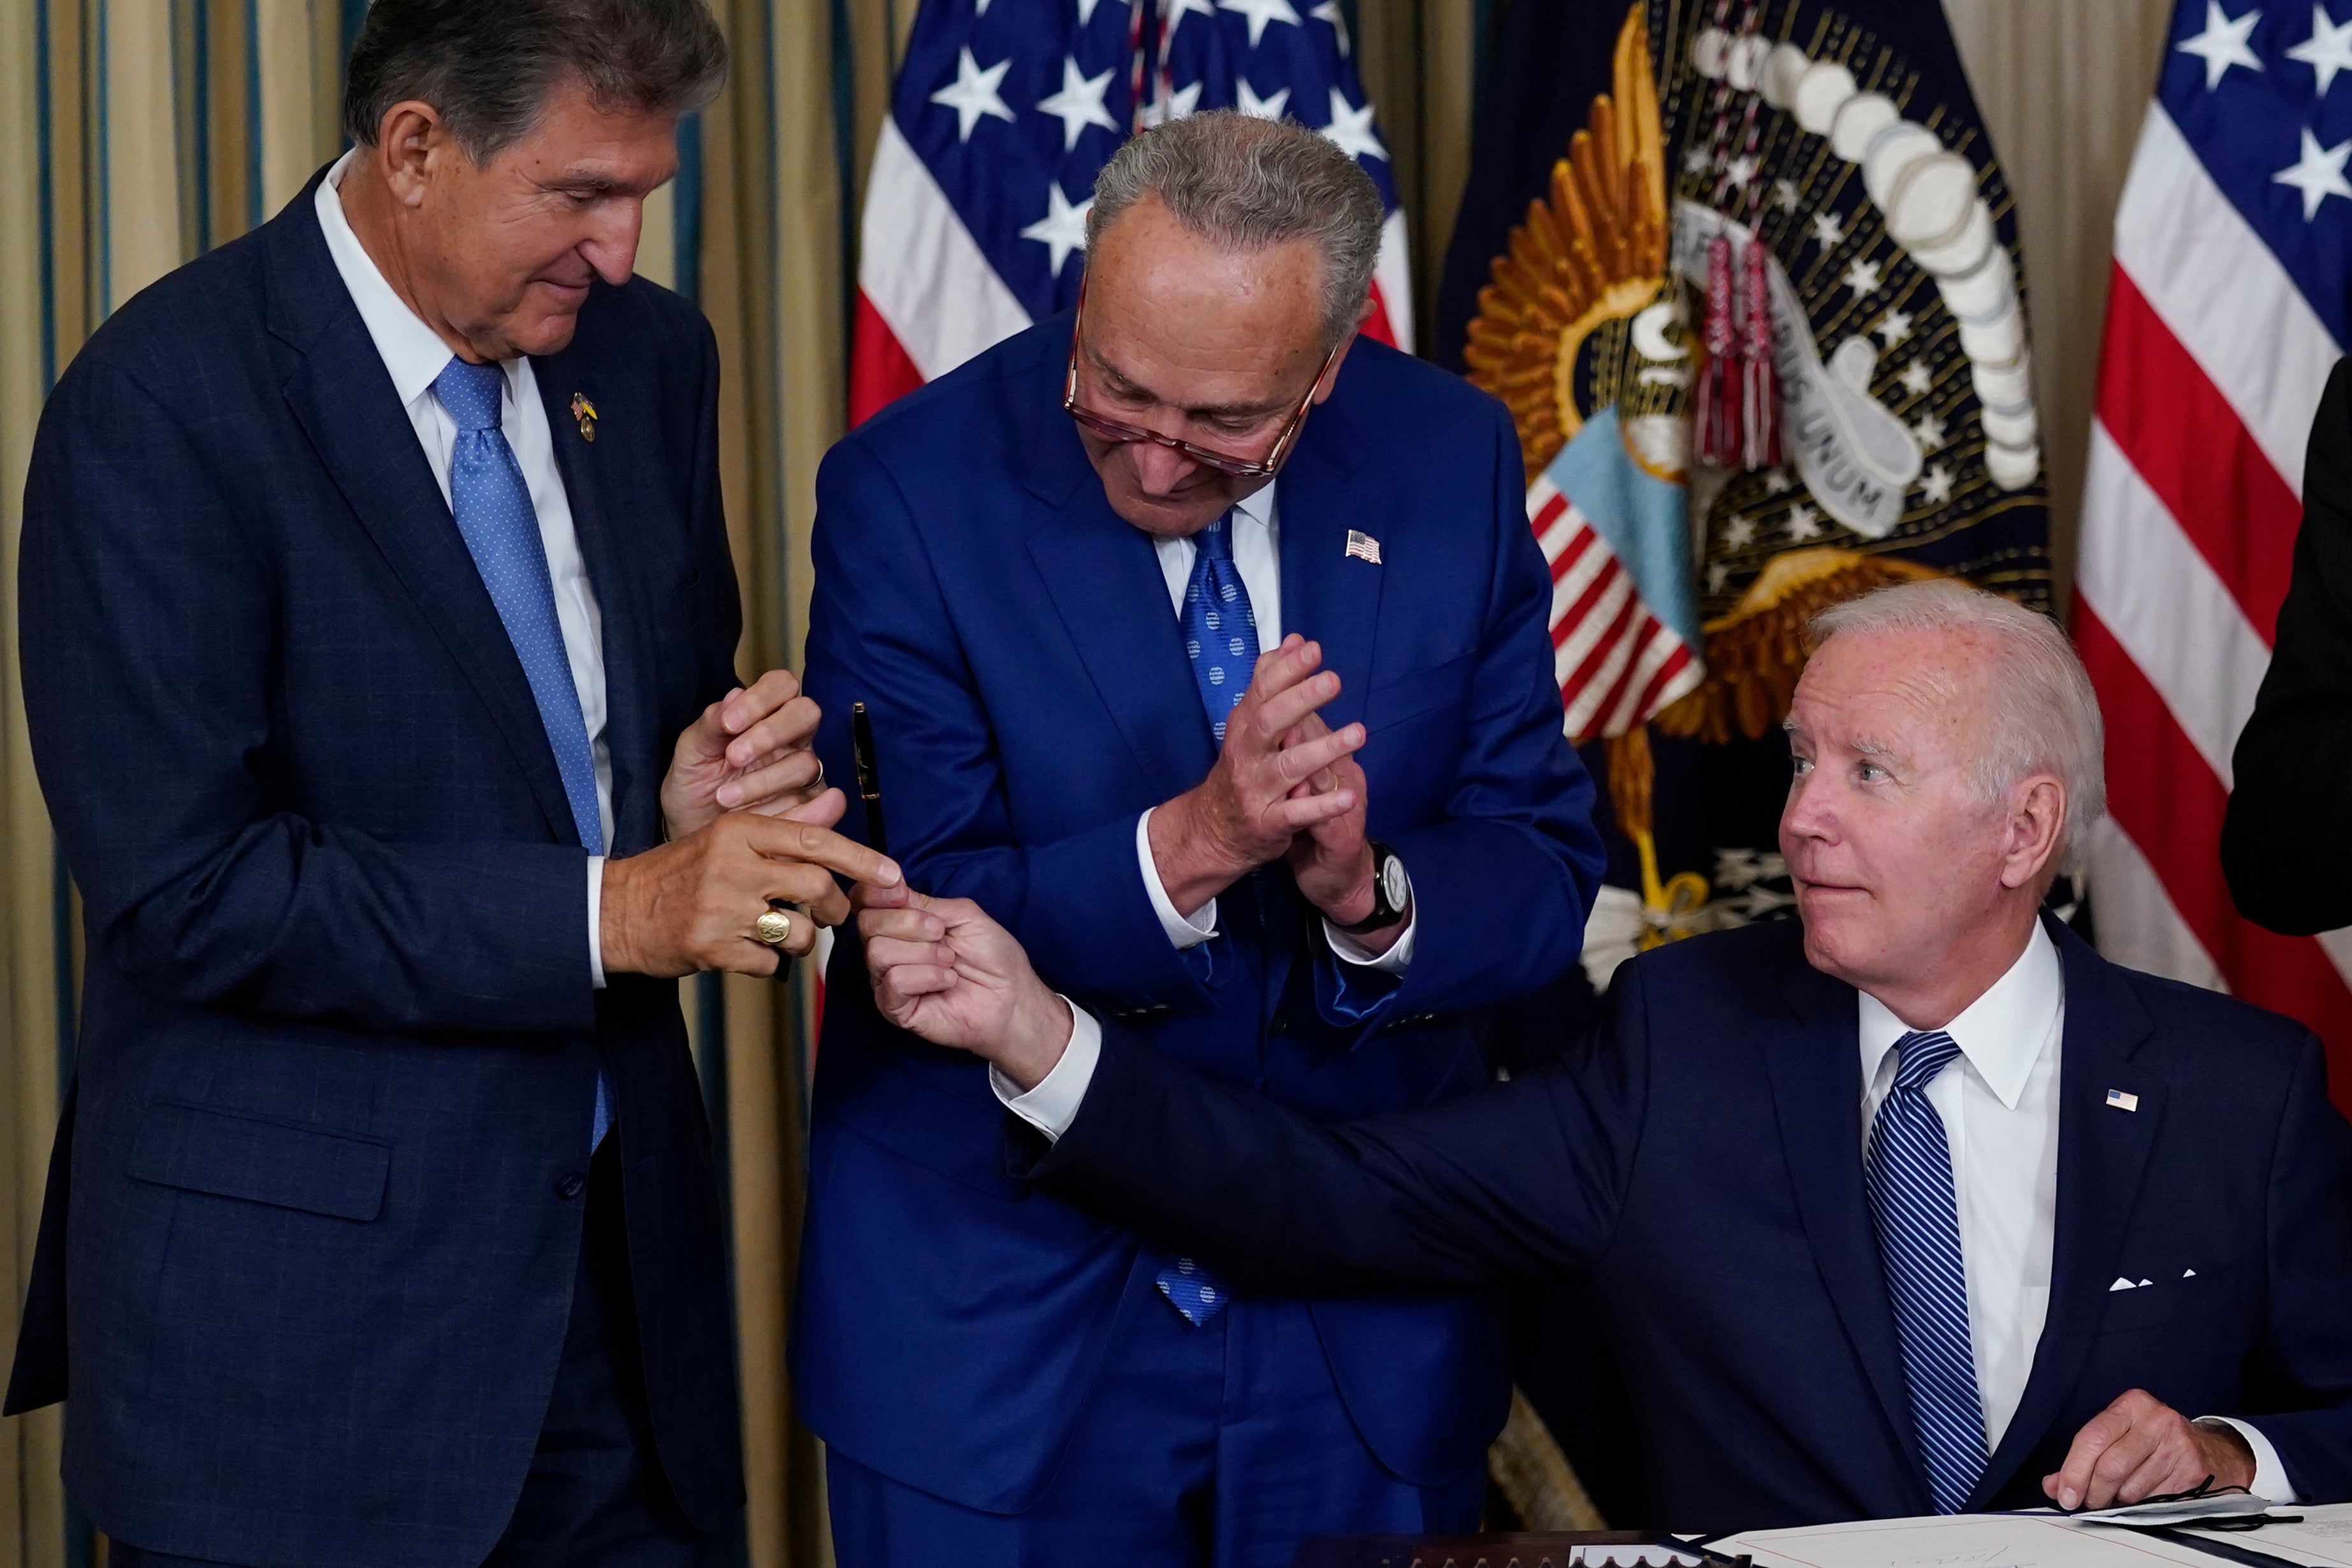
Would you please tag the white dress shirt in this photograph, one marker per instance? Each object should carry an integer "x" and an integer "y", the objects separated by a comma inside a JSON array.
[
  {"x": 415, "y": 354},
  {"x": 1998, "y": 1102},
  {"x": 1257, "y": 552}
]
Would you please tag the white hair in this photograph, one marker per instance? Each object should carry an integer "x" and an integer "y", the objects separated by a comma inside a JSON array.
[
  {"x": 2044, "y": 715},
  {"x": 1246, "y": 183}
]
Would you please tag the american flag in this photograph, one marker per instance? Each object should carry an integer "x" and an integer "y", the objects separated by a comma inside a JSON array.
[
  {"x": 2234, "y": 250},
  {"x": 1006, "y": 110}
]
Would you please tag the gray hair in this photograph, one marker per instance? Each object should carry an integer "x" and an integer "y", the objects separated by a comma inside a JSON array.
[
  {"x": 1246, "y": 183},
  {"x": 2045, "y": 716},
  {"x": 488, "y": 65}
]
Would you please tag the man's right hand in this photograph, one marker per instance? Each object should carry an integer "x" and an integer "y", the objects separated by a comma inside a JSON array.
[
  {"x": 943, "y": 969},
  {"x": 691, "y": 904},
  {"x": 1244, "y": 815}
]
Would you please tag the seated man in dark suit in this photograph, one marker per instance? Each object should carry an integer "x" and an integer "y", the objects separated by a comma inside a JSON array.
[{"x": 1917, "y": 1206}]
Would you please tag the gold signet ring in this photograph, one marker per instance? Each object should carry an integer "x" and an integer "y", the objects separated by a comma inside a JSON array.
[{"x": 774, "y": 928}]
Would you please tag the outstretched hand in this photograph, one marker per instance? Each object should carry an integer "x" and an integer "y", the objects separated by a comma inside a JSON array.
[{"x": 945, "y": 970}]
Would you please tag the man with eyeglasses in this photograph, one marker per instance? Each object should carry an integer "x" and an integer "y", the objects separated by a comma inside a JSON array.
[{"x": 1206, "y": 646}]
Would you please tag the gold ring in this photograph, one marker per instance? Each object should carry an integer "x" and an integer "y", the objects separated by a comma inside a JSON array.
[{"x": 774, "y": 928}]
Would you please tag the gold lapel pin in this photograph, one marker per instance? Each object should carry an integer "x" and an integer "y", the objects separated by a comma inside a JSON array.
[{"x": 585, "y": 413}]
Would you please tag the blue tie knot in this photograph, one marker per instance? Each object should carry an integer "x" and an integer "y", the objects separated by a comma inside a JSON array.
[
  {"x": 1921, "y": 1055},
  {"x": 1217, "y": 539},
  {"x": 471, "y": 392}
]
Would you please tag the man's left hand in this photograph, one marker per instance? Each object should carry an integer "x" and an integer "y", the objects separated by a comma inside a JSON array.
[
  {"x": 748, "y": 752},
  {"x": 2141, "y": 1447},
  {"x": 1332, "y": 861}
]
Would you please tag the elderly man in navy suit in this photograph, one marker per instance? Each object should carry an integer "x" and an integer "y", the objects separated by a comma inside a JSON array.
[
  {"x": 1917, "y": 1206},
  {"x": 1051, "y": 576},
  {"x": 378, "y": 642}
]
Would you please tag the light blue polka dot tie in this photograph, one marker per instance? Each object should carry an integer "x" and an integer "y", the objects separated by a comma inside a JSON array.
[
  {"x": 1910, "y": 1180},
  {"x": 1221, "y": 639},
  {"x": 492, "y": 506},
  {"x": 1220, "y": 626}
]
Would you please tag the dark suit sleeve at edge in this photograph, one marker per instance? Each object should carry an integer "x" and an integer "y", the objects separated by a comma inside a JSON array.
[
  {"x": 2305, "y": 1365},
  {"x": 2289, "y": 813},
  {"x": 149, "y": 644},
  {"x": 1523, "y": 1179}
]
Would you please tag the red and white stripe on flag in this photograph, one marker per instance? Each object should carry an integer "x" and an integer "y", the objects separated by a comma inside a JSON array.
[
  {"x": 2209, "y": 375},
  {"x": 1617, "y": 663},
  {"x": 928, "y": 298}
]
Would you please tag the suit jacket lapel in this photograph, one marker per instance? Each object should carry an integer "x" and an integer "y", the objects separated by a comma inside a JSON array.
[
  {"x": 2101, "y": 1155},
  {"x": 1816, "y": 1069},
  {"x": 1329, "y": 595},
  {"x": 589, "y": 487},
  {"x": 1105, "y": 580},
  {"x": 343, "y": 398}
]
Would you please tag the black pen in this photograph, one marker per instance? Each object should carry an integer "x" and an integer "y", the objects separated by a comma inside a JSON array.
[{"x": 869, "y": 778}]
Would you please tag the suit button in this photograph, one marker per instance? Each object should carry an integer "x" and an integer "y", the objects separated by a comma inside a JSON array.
[{"x": 571, "y": 1185}]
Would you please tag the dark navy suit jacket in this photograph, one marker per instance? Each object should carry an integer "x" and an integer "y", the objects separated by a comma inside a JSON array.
[
  {"x": 1031, "y": 698},
  {"x": 1700, "y": 1163},
  {"x": 311, "y": 1227}
]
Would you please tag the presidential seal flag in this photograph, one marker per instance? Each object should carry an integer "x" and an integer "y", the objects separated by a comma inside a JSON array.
[
  {"x": 1754, "y": 300},
  {"x": 2226, "y": 310},
  {"x": 1002, "y": 115}
]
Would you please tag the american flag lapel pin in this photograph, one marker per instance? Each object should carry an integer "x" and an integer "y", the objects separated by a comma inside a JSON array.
[
  {"x": 1363, "y": 546},
  {"x": 2122, "y": 1101}
]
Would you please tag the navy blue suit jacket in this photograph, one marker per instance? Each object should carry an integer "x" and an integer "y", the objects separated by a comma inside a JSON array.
[
  {"x": 312, "y": 1230},
  {"x": 1031, "y": 698},
  {"x": 1700, "y": 1163}
]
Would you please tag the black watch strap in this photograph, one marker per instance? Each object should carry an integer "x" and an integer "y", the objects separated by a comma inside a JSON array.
[{"x": 1391, "y": 893}]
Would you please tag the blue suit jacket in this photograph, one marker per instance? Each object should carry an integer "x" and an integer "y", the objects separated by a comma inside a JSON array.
[
  {"x": 1031, "y": 698},
  {"x": 339, "y": 1045},
  {"x": 1700, "y": 1163}
]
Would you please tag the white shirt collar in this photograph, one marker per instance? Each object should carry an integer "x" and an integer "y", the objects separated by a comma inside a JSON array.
[
  {"x": 1258, "y": 506},
  {"x": 2001, "y": 1033},
  {"x": 411, "y": 351}
]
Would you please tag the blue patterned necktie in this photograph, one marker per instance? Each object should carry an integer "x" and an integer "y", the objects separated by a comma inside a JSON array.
[
  {"x": 1221, "y": 639},
  {"x": 492, "y": 506},
  {"x": 1909, "y": 1179},
  {"x": 1220, "y": 626}
]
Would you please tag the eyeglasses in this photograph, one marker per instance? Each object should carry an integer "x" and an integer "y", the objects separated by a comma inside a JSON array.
[{"x": 1224, "y": 462}]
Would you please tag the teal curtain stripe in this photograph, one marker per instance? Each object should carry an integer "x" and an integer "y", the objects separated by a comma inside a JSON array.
[
  {"x": 253, "y": 213},
  {"x": 686, "y": 214},
  {"x": 104, "y": 217}
]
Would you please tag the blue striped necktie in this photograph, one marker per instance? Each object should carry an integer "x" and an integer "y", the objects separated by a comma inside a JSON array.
[
  {"x": 1910, "y": 1180},
  {"x": 492, "y": 507}
]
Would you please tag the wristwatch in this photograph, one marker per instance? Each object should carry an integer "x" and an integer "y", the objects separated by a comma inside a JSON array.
[{"x": 1392, "y": 891}]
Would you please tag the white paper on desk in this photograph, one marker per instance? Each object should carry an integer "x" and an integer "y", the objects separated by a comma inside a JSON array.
[
  {"x": 2324, "y": 1538},
  {"x": 1964, "y": 1541}
]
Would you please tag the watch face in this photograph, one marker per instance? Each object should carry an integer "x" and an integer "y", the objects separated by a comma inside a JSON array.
[{"x": 1395, "y": 888}]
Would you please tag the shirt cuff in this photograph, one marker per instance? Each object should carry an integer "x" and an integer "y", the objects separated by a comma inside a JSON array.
[
  {"x": 596, "y": 921},
  {"x": 1400, "y": 953},
  {"x": 1053, "y": 1104},
  {"x": 2271, "y": 1481},
  {"x": 1183, "y": 932}
]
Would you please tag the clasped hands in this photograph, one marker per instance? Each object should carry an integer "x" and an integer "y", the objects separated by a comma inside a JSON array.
[
  {"x": 749, "y": 821},
  {"x": 1286, "y": 786}
]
